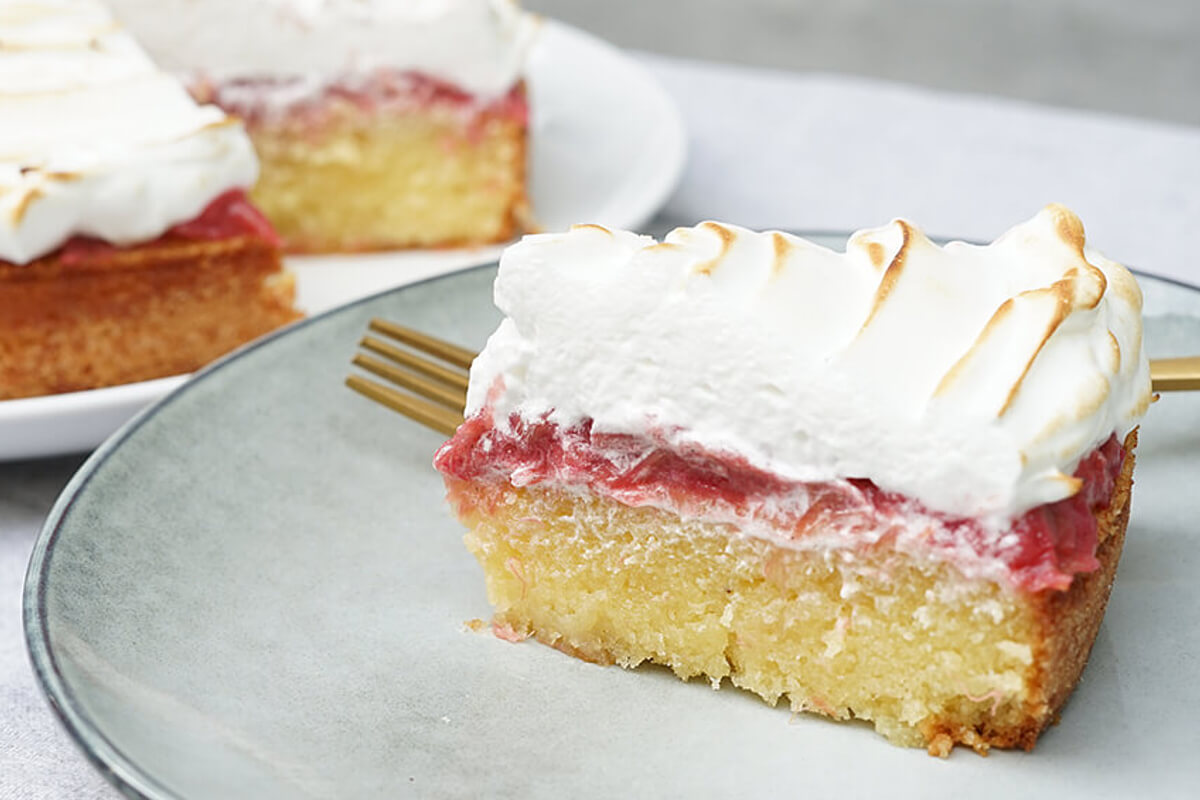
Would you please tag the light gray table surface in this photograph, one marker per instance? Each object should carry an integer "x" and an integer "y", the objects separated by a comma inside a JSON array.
[
  {"x": 1137, "y": 58},
  {"x": 786, "y": 149}
]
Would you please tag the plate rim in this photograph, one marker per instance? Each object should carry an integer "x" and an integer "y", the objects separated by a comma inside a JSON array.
[{"x": 115, "y": 765}]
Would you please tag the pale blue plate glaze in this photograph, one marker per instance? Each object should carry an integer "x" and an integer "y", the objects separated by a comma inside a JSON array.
[{"x": 255, "y": 590}]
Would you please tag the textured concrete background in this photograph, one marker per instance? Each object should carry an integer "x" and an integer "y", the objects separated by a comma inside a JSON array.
[{"x": 1139, "y": 57}]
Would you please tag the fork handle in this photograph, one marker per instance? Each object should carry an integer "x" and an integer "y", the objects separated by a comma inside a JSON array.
[{"x": 1175, "y": 374}]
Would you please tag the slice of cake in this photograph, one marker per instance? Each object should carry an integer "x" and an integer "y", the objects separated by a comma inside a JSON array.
[
  {"x": 889, "y": 484},
  {"x": 128, "y": 250},
  {"x": 379, "y": 124}
]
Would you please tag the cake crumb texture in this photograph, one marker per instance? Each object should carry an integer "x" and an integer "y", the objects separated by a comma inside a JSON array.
[
  {"x": 931, "y": 658},
  {"x": 369, "y": 180}
]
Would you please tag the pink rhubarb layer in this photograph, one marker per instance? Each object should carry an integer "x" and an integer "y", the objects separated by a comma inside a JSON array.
[
  {"x": 230, "y": 215},
  {"x": 1042, "y": 549},
  {"x": 260, "y": 99}
]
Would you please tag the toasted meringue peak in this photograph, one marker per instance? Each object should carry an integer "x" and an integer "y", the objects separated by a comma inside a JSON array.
[
  {"x": 95, "y": 139},
  {"x": 477, "y": 45},
  {"x": 972, "y": 378},
  {"x": 592, "y": 226}
]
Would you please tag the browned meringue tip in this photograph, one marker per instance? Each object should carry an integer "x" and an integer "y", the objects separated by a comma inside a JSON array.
[
  {"x": 891, "y": 276},
  {"x": 1068, "y": 226},
  {"x": 782, "y": 249},
  {"x": 876, "y": 253},
  {"x": 1056, "y": 298},
  {"x": 727, "y": 237},
  {"x": 22, "y": 206},
  {"x": 1086, "y": 283}
]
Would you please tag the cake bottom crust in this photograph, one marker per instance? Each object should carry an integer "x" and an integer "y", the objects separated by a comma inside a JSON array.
[
  {"x": 161, "y": 309},
  {"x": 930, "y": 657}
]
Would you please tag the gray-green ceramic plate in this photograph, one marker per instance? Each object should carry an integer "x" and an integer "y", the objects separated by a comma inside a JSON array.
[{"x": 254, "y": 590}]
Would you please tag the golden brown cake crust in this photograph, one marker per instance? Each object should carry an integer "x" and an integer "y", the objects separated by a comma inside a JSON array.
[
  {"x": 1069, "y": 622},
  {"x": 124, "y": 315}
]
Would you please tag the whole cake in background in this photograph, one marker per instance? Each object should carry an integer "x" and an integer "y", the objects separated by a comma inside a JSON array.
[
  {"x": 379, "y": 123},
  {"x": 128, "y": 249},
  {"x": 889, "y": 484}
]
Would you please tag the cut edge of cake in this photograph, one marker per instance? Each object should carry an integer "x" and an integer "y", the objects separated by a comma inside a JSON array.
[
  {"x": 614, "y": 584},
  {"x": 432, "y": 177}
]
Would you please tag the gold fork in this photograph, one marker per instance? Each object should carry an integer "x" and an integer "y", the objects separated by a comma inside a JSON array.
[{"x": 442, "y": 382}]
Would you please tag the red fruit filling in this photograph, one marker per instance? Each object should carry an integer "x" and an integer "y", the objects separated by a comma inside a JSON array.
[
  {"x": 229, "y": 216},
  {"x": 1045, "y": 548},
  {"x": 253, "y": 98}
]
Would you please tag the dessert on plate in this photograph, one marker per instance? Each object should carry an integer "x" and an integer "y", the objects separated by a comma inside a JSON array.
[
  {"x": 128, "y": 249},
  {"x": 379, "y": 124},
  {"x": 889, "y": 484}
]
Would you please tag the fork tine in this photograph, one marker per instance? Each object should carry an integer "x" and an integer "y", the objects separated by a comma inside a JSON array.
[
  {"x": 1175, "y": 374},
  {"x": 434, "y": 390},
  {"x": 433, "y": 416},
  {"x": 446, "y": 375},
  {"x": 444, "y": 383},
  {"x": 460, "y": 356}
]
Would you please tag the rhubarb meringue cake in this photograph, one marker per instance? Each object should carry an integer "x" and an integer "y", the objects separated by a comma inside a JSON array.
[
  {"x": 889, "y": 484},
  {"x": 379, "y": 123},
  {"x": 128, "y": 249}
]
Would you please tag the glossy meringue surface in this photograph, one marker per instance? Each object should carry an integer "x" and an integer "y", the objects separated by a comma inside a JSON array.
[
  {"x": 96, "y": 140},
  {"x": 970, "y": 378}
]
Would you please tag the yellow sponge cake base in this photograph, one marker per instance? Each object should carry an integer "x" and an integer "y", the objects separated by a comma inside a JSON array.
[
  {"x": 381, "y": 179},
  {"x": 930, "y": 657}
]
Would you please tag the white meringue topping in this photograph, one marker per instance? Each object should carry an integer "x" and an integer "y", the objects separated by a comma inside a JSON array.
[
  {"x": 970, "y": 378},
  {"x": 95, "y": 139},
  {"x": 477, "y": 45}
]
